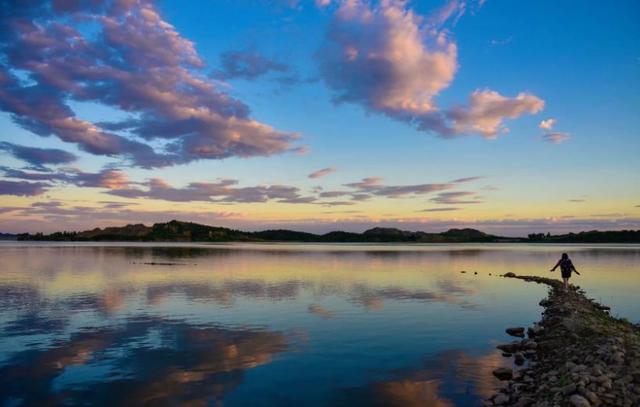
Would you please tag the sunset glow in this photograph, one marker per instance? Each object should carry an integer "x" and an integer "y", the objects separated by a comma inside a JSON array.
[{"x": 508, "y": 117}]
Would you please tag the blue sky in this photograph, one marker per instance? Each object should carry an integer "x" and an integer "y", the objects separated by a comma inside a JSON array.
[{"x": 409, "y": 95}]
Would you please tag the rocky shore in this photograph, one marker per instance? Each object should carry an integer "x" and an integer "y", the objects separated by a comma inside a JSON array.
[{"x": 577, "y": 355}]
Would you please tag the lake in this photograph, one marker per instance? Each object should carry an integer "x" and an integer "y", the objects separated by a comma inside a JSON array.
[{"x": 276, "y": 324}]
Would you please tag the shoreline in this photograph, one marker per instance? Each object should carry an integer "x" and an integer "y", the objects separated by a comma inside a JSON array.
[{"x": 577, "y": 355}]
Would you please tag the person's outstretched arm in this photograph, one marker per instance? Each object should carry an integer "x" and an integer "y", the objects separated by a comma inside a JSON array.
[
  {"x": 556, "y": 266},
  {"x": 574, "y": 269}
]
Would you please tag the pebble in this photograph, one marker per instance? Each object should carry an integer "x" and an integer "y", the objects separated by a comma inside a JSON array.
[
  {"x": 503, "y": 373},
  {"x": 579, "y": 401},
  {"x": 575, "y": 357}
]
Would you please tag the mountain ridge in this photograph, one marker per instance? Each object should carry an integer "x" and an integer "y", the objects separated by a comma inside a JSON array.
[{"x": 179, "y": 231}]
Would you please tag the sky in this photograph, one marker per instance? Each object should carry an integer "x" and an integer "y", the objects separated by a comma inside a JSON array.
[{"x": 320, "y": 115}]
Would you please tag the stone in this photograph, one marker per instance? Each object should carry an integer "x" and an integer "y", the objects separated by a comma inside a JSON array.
[
  {"x": 510, "y": 274},
  {"x": 524, "y": 402},
  {"x": 591, "y": 396},
  {"x": 503, "y": 373},
  {"x": 569, "y": 389},
  {"x": 578, "y": 401},
  {"x": 515, "y": 331},
  {"x": 501, "y": 399},
  {"x": 509, "y": 347},
  {"x": 518, "y": 358}
]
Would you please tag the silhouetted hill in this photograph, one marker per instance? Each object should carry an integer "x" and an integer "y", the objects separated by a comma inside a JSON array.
[
  {"x": 8, "y": 236},
  {"x": 177, "y": 231},
  {"x": 592, "y": 236}
]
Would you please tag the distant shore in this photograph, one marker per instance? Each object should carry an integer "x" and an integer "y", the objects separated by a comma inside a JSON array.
[
  {"x": 178, "y": 231},
  {"x": 577, "y": 355}
]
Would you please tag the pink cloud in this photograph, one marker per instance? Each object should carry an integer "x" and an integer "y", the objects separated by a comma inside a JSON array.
[
  {"x": 135, "y": 62},
  {"x": 392, "y": 61},
  {"x": 321, "y": 173},
  {"x": 382, "y": 58},
  {"x": 556, "y": 138},
  {"x": 487, "y": 110}
]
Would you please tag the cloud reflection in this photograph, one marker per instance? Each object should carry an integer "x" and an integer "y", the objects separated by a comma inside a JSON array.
[
  {"x": 145, "y": 361},
  {"x": 452, "y": 378}
]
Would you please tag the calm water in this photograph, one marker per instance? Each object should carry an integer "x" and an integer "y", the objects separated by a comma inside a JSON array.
[{"x": 275, "y": 324}]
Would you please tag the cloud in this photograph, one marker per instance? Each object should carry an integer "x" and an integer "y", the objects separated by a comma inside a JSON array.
[
  {"x": 498, "y": 42},
  {"x": 381, "y": 58},
  {"x": 223, "y": 190},
  {"x": 453, "y": 9},
  {"x": 392, "y": 61},
  {"x": 457, "y": 198},
  {"x": 247, "y": 65},
  {"x": 547, "y": 124},
  {"x": 576, "y": 200},
  {"x": 38, "y": 157},
  {"x": 446, "y": 209},
  {"x": 321, "y": 173},
  {"x": 487, "y": 110},
  {"x": 467, "y": 179},
  {"x": 106, "y": 178},
  {"x": 374, "y": 186},
  {"x": 556, "y": 138},
  {"x": 133, "y": 61},
  {"x": 22, "y": 188}
]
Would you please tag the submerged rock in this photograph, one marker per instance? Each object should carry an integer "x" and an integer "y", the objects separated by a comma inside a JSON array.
[
  {"x": 503, "y": 373},
  {"x": 515, "y": 331}
]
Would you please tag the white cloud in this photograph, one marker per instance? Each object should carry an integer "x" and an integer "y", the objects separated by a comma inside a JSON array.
[{"x": 547, "y": 124}]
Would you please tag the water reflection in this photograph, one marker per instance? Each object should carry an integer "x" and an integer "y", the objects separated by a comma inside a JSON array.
[
  {"x": 144, "y": 360},
  {"x": 274, "y": 324},
  {"x": 454, "y": 377}
]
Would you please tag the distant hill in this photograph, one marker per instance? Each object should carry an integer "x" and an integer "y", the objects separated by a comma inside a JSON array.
[
  {"x": 592, "y": 236},
  {"x": 8, "y": 236},
  {"x": 177, "y": 231}
]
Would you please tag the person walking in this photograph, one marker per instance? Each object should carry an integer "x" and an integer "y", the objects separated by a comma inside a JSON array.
[{"x": 566, "y": 267}]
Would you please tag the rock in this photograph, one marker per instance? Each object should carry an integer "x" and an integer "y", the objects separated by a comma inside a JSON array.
[
  {"x": 579, "y": 401},
  {"x": 510, "y": 274},
  {"x": 501, "y": 399},
  {"x": 569, "y": 389},
  {"x": 515, "y": 331},
  {"x": 463, "y": 272},
  {"x": 512, "y": 347},
  {"x": 534, "y": 331},
  {"x": 475, "y": 272},
  {"x": 524, "y": 402},
  {"x": 503, "y": 373},
  {"x": 591, "y": 396},
  {"x": 518, "y": 358}
]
